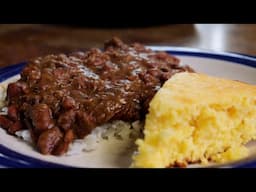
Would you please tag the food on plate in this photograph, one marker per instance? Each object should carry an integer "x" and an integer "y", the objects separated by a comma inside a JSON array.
[
  {"x": 196, "y": 118},
  {"x": 60, "y": 98}
]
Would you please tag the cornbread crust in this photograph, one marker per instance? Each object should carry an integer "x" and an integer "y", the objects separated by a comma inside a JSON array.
[{"x": 197, "y": 118}]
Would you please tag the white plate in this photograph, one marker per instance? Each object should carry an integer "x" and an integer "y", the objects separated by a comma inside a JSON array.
[{"x": 16, "y": 153}]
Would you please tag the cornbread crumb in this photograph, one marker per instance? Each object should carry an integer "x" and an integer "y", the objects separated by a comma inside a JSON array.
[
  {"x": 197, "y": 118},
  {"x": 232, "y": 154}
]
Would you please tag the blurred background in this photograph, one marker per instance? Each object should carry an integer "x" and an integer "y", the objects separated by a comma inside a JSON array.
[{"x": 20, "y": 42}]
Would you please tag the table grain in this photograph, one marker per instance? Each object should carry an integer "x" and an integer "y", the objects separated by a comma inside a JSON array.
[{"x": 20, "y": 42}]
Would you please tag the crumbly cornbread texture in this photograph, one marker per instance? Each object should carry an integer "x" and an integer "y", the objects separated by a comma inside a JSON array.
[{"x": 196, "y": 118}]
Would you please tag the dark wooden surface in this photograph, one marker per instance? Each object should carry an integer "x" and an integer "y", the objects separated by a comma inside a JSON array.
[{"x": 22, "y": 42}]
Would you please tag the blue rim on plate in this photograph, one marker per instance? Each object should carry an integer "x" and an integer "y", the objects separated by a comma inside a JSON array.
[{"x": 10, "y": 158}]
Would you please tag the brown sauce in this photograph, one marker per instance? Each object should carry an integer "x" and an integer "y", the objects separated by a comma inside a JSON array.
[{"x": 63, "y": 97}]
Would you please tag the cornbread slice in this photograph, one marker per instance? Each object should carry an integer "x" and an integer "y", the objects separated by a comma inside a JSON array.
[{"x": 197, "y": 118}]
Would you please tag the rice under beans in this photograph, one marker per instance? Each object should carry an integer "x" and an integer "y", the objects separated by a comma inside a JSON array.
[{"x": 124, "y": 132}]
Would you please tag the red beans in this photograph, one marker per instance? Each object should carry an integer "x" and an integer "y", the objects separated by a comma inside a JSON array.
[
  {"x": 31, "y": 73},
  {"x": 16, "y": 89},
  {"x": 62, "y": 97},
  {"x": 69, "y": 136},
  {"x": 9, "y": 125},
  {"x": 68, "y": 103},
  {"x": 17, "y": 126},
  {"x": 13, "y": 90},
  {"x": 5, "y": 122},
  {"x": 13, "y": 113},
  {"x": 66, "y": 119},
  {"x": 48, "y": 140},
  {"x": 85, "y": 124},
  {"x": 41, "y": 116}
]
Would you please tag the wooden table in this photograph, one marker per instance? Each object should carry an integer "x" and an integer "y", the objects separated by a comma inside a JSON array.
[{"x": 22, "y": 42}]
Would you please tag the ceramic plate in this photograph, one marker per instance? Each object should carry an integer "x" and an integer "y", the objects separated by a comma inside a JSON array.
[{"x": 16, "y": 153}]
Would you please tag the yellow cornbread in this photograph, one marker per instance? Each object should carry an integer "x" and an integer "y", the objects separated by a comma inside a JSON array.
[{"x": 197, "y": 118}]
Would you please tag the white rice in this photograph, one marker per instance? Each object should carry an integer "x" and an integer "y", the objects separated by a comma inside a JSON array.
[
  {"x": 122, "y": 131},
  {"x": 25, "y": 135},
  {"x": 3, "y": 88},
  {"x": 117, "y": 130}
]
